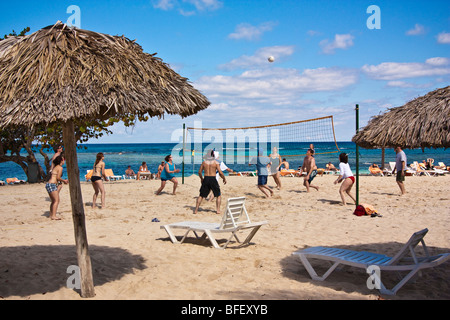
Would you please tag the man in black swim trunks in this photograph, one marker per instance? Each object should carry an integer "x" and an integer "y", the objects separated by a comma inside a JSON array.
[{"x": 210, "y": 166}]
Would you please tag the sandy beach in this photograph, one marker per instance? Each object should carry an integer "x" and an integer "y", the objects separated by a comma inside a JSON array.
[{"x": 133, "y": 258}]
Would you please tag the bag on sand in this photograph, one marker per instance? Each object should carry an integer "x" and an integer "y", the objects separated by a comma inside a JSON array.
[
  {"x": 359, "y": 211},
  {"x": 366, "y": 210}
]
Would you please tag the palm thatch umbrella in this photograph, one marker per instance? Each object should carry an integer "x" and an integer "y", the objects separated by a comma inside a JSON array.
[
  {"x": 421, "y": 123},
  {"x": 59, "y": 74}
]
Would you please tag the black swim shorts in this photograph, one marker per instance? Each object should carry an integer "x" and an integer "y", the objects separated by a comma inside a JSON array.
[{"x": 209, "y": 183}]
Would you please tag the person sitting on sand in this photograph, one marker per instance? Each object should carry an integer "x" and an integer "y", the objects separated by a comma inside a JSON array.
[
  {"x": 143, "y": 169},
  {"x": 210, "y": 166},
  {"x": 330, "y": 167},
  {"x": 284, "y": 165},
  {"x": 129, "y": 173},
  {"x": 52, "y": 185},
  {"x": 309, "y": 166},
  {"x": 168, "y": 175},
  {"x": 346, "y": 177}
]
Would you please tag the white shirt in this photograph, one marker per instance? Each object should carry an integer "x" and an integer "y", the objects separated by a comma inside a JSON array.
[
  {"x": 345, "y": 171},
  {"x": 223, "y": 167}
]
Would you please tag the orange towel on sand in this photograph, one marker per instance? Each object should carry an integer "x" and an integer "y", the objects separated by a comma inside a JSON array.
[{"x": 369, "y": 209}]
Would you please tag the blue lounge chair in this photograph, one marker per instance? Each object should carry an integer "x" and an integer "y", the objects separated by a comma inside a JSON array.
[{"x": 368, "y": 260}]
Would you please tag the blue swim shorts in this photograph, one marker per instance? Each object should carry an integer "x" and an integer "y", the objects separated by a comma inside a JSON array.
[
  {"x": 262, "y": 180},
  {"x": 312, "y": 176}
]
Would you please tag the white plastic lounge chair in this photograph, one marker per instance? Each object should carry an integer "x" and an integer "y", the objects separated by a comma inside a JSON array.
[
  {"x": 145, "y": 175},
  {"x": 388, "y": 169},
  {"x": 442, "y": 167},
  {"x": 362, "y": 259},
  {"x": 111, "y": 176},
  {"x": 417, "y": 170},
  {"x": 391, "y": 166},
  {"x": 235, "y": 219},
  {"x": 439, "y": 171}
]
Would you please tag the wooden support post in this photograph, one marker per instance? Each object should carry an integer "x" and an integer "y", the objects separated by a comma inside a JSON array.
[{"x": 73, "y": 172}]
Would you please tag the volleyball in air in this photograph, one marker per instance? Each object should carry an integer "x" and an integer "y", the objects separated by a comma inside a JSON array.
[{"x": 271, "y": 59}]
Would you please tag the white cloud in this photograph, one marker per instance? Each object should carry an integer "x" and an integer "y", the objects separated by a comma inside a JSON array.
[
  {"x": 341, "y": 41},
  {"x": 313, "y": 33},
  {"x": 204, "y": 5},
  {"x": 248, "y": 32},
  {"x": 443, "y": 38},
  {"x": 404, "y": 84},
  {"x": 259, "y": 59},
  {"x": 396, "y": 70},
  {"x": 164, "y": 4},
  {"x": 438, "y": 61},
  {"x": 274, "y": 86},
  {"x": 219, "y": 106},
  {"x": 188, "y": 7},
  {"x": 417, "y": 30}
]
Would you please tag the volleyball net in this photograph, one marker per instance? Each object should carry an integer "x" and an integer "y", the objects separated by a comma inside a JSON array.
[{"x": 241, "y": 145}]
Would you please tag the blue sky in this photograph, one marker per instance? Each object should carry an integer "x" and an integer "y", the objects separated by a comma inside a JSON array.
[{"x": 326, "y": 58}]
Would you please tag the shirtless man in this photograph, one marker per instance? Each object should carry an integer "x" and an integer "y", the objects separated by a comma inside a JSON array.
[
  {"x": 309, "y": 166},
  {"x": 209, "y": 182}
]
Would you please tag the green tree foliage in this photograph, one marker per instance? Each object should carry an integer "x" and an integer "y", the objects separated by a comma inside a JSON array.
[{"x": 14, "y": 34}]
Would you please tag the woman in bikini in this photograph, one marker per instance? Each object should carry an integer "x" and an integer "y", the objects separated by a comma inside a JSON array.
[
  {"x": 346, "y": 177},
  {"x": 52, "y": 185},
  {"x": 142, "y": 169},
  {"x": 97, "y": 182}
]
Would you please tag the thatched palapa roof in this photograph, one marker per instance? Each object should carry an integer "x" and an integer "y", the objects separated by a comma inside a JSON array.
[
  {"x": 421, "y": 123},
  {"x": 60, "y": 73}
]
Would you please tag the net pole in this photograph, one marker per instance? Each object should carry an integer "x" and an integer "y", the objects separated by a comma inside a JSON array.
[
  {"x": 357, "y": 157},
  {"x": 184, "y": 148}
]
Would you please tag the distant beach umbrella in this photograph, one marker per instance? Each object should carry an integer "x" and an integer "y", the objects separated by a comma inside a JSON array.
[
  {"x": 59, "y": 74},
  {"x": 421, "y": 123}
]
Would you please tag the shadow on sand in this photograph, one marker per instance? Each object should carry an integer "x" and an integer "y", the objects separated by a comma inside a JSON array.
[
  {"x": 433, "y": 284},
  {"x": 28, "y": 270}
]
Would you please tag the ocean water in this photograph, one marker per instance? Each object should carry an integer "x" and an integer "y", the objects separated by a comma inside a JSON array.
[{"x": 119, "y": 156}]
